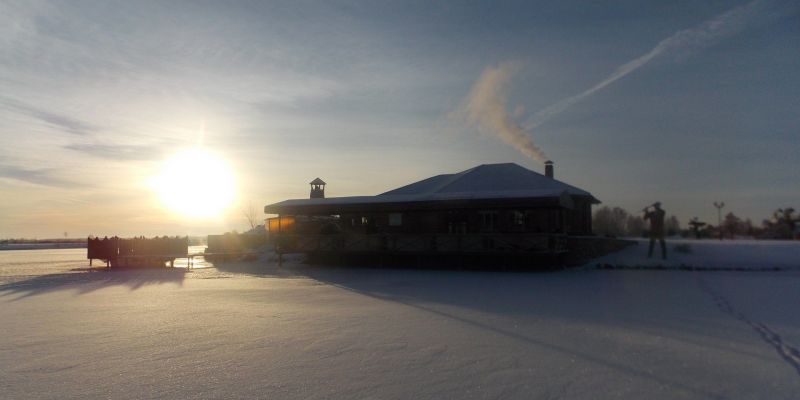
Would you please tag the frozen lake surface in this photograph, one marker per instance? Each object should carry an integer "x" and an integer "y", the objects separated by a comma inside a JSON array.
[{"x": 253, "y": 330}]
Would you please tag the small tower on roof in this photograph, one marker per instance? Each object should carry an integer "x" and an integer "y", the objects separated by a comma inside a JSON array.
[{"x": 317, "y": 189}]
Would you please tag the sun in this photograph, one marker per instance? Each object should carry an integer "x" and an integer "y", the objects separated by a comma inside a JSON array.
[{"x": 196, "y": 183}]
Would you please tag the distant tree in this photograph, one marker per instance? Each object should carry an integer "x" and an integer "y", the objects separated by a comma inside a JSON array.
[
  {"x": 749, "y": 228},
  {"x": 786, "y": 216},
  {"x": 251, "y": 214},
  {"x": 672, "y": 226},
  {"x": 782, "y": 225},
  {"x": 733, "y": 225},
  {"x": 635, "y": 226},
  {"x": 695, "y": 225},
  {"x": 710, "y": 231},
  {"x": 610, "y": 221}
]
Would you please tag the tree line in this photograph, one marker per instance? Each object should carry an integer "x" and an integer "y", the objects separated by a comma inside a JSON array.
[{"x": 617, "y": 222}]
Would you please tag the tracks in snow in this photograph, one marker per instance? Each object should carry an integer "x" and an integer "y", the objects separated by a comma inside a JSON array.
[{"x": 788, "y": 353}]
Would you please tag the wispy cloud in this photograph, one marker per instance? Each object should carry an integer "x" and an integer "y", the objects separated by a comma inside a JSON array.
[
  {"x": 43, "y": 176},
  {"x": 704, "y": 35},
  {"x": 59, "y": 121},
  {"x": 117, "y": 152}
]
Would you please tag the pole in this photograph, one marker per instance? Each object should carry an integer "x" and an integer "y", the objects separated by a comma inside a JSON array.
[{"x": 719, "y": 206}]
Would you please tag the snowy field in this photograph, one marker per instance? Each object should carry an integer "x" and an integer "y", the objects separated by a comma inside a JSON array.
[
  {"x": 710, "y": 254},
  {"x": 253, "y": 330}
]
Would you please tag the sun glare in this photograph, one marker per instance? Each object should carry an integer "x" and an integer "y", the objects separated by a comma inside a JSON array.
[{"x": 196, "y": 183}]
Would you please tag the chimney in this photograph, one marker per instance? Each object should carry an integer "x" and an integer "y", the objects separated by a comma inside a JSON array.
[
  {"x": 317, "y": 189},
  {"x": 548, "y": 169}
]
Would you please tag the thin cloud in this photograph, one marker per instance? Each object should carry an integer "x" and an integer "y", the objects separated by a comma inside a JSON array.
[
  {"x": 117, "y": 152},
  {"x": 60, "y": 121},
  {"x": 44, "y": 177},
  {"x": 704, "y": 35}
]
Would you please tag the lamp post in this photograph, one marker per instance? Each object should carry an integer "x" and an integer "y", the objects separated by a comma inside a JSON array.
[{"x": 719, "y": 206}]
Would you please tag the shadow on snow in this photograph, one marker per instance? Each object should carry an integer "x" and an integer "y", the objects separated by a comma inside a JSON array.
[{"x": 87, "y": 280}]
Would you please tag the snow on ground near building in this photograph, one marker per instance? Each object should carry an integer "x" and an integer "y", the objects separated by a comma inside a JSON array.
[
  {"x": 253, "y": 330},
  {"x": 711, "y": 254}
]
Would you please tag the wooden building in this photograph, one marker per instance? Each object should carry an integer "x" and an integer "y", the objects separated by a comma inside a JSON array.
[{"x": 489, "y": 208}]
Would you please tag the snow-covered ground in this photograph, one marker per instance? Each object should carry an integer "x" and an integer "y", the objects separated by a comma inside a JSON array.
[
  {"x": 709, "y": 254},
  {"x": 253, "y": 330}
]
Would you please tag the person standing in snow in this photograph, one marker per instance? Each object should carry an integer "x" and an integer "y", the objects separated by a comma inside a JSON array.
[{"x": 656, "y": 217}]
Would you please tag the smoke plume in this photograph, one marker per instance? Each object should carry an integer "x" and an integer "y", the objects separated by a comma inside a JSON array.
[
  {"x": 704, "y": 35},
  {"x": 486, "y": 107}
]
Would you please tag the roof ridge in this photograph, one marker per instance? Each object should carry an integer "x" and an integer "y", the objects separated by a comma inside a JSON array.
[
  {"x": 458, "y": 176},
  {"x": 455, "y": 177},
  {"x": 485, "y": 178}
]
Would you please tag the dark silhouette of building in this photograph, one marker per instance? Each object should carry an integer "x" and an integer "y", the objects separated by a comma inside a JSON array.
[
  {"x": 137, "y": 251},
  {"x": 492, "y": 207},
  {"x": 317, "y": 189}
]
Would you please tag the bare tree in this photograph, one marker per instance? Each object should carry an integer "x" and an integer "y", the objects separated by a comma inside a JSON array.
[
  {"x": 733, "y": 225},
  {"x": 635, "y": 226},
  {"x": 251, "y": 213},
  {"x": 610, "y": 221},
  {"x": 782, "y": 225},
  {"x": 672, "y": 226}
]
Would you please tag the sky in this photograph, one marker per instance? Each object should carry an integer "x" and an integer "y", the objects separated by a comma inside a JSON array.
[{"x": 682, "y": 102}]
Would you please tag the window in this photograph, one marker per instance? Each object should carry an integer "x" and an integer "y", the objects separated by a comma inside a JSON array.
[
  {"x": 395, "y": 219},
  {"x": 488, "y": 220},
  {"x": 519, "y": 218}
]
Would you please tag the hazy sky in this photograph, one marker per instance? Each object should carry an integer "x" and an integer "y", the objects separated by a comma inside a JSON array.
[{"x": 686, "y": 102}]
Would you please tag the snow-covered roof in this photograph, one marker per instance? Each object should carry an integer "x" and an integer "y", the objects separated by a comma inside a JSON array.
[
  {"x": 492, "y": 180},
  {"x": 487, "y": 181}
]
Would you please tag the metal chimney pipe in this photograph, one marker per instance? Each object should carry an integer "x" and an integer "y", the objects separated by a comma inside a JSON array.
[{"x": 548, "y": 169}]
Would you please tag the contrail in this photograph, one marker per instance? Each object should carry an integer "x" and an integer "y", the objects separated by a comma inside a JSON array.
[{"x": 706, "y": 34}]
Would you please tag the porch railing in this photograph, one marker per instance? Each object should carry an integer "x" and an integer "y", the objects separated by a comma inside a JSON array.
[{"x": 422, "y": 243}]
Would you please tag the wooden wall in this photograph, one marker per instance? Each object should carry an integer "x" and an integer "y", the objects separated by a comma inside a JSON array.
[
  {"x": 540, "y": 220},
  {"x": 503, "y": 218}
]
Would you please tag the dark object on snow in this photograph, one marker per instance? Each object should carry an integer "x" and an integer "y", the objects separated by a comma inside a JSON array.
[
  {"x": 494, "y": 211},
  {"x": 656, "y": 217},
  {"x": 138, "y": 251},
  {"x": 696, "y": 225}
]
